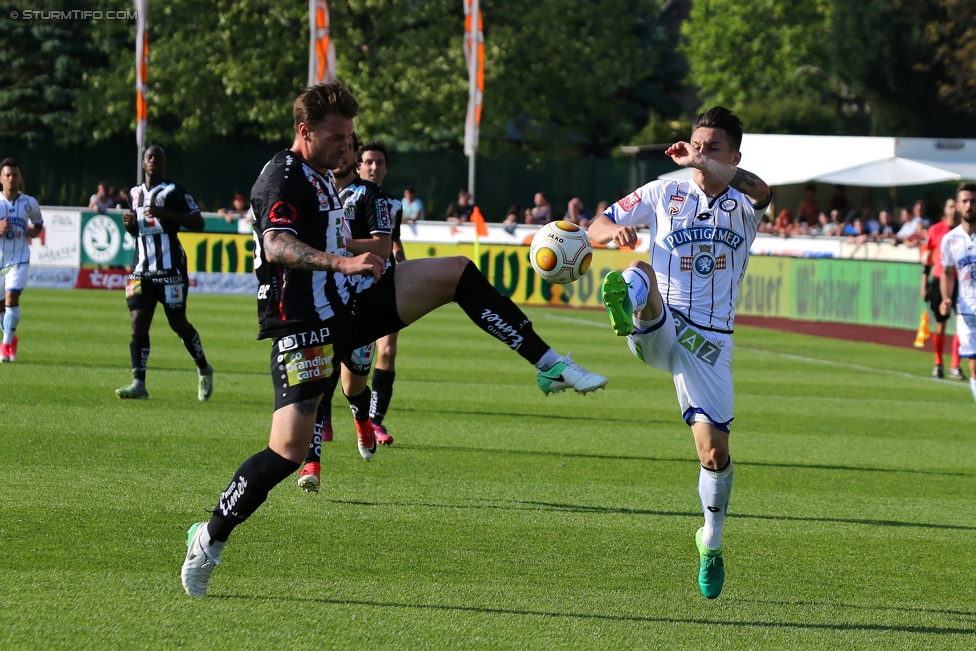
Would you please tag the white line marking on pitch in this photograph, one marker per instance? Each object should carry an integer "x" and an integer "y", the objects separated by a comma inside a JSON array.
[{"x": 798, "y": 358}]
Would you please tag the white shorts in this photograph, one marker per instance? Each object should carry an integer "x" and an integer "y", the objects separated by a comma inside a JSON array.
[
  {"x": 699, "y": 360},
  {"x": 14, "y": 277},
  {"x": 966, "y": 331}
]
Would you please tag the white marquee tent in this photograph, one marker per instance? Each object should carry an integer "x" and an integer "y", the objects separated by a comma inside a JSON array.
[{"x": 854, "y": 160}]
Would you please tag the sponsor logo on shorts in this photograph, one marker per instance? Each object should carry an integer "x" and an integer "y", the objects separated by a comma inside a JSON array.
[
  {"x": 695, "y": 342},
  {"x": 133, "y": 287},
  {"x": 174, "y": 294},
  {"x": 308, "y": 364}
]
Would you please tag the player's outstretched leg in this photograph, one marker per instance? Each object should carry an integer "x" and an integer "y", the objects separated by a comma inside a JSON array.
[
  {"x": 630, "y": 292},
  {"x": 714, "y": 489},
  {"x": 424, "y": 285}
]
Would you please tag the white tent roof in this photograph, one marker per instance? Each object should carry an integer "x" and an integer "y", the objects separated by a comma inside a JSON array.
[{"x": 853, "y": 160}]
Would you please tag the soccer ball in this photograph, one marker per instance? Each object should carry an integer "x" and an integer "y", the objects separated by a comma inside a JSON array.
[{"x": 561, "y": 252}]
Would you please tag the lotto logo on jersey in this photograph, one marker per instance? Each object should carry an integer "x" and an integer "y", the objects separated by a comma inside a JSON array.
[
  {"x": 629, "y": 201},
  {"x": 283, "y": 214},
  {"x": 308, "y": 364}
]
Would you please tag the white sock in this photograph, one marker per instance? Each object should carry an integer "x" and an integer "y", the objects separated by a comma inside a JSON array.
[
  {"x": 972, "y": 386},
  {"x": 549, "y": 359},
  {"x": 714, "y": 488},
  {"x": 639, "y": 287},
  {"x": 10, "y": 320},
  {"x": 211, "y": 547}
]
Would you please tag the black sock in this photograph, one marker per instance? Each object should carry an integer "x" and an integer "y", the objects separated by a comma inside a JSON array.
[
  {"x": 382, "y": 394},
  {"x": 497, "y": 315},
  {"x": 322, "y": 417},
  {"x": 139, "y": 354},
  {"x": 195, "y": 348},
  {"x": 247, "y": 491},
  {"x": 359, "y": 405}
]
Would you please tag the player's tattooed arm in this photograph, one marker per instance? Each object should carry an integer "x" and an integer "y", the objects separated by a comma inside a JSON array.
[
  {"x": 283, "y": 248},
  {"x": 739, "y": 179}
]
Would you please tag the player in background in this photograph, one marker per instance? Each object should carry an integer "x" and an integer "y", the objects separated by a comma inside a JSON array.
[
  {"x": 677, "y": 312},
  {"x": 160, "y": 207},
  {"x": 373, "y": 164},
  {"x": 317, "y": 305},
  {"x": 20, "y": 221},
  {"x": 366, "y": 228},
  {"x": 931, "y": 253},
  {"x": 959, "y": 263}
]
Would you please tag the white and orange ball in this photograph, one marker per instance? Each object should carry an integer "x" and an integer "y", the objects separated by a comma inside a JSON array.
[{"x": 561, "y": 252}]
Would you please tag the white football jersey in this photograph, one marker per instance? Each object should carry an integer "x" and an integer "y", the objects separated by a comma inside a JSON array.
[
  {"x": 699, "y": 246},
  {"x": 959, "y": 251},
  {"x": 20, "y": 214}
]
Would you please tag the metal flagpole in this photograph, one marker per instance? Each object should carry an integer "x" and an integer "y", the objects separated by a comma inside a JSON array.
[
  {"x": 142, "y": 68},
  {"x": 471, "y": 127}
]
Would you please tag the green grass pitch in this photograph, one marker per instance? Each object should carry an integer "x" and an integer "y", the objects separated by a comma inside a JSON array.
[{"x": 500, "y": 519}]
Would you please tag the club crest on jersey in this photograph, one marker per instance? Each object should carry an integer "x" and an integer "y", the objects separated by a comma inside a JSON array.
[
  {"x": 729, "y": 205},
  {"x": 704, "y": 263},
  {"x": 703, "y": 235},
  {"x": 675, "y": 202}
]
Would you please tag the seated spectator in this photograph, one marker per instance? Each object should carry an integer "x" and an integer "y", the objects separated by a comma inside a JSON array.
[
  {"x": 542, "y": 213},
  {"x": 885, "y": 232},
  {"x": 911, "y": 229},
  {"x": 460, "y": 211},
  {"x": 918, "y": 212},
  {"x": 512, "y": 218},
  {"x": 784, "y": 223},
  {"x": 825, "y": 227},
  {"x": 808, "y": 209},
  {"x": 101, "y": 200},
  {"x": 859, "y": 235},
  {"x": 872, "y": 226},
  {"x": 576, "y": 213},
  {"x": 118, "y": 201},
  {"x": 413, "y": 208},
  {"x": 239, "y": 211}
]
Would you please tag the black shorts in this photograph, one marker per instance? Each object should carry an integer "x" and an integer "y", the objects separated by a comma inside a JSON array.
[
  {"x": 360, "y": 360},
  {"x": 304, "y": 364},
  {"x": 933, "y": 296},
  {"x": 143, "y": 292}
]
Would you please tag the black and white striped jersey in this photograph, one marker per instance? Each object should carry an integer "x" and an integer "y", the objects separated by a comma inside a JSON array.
[
  {"x": 365, "y": 209},
  {"x": 290, "y": 195},
  {"x": 20, "y": 214},
  {"x": 699, "y": 245},
  {"x": 158, "y": 249}
]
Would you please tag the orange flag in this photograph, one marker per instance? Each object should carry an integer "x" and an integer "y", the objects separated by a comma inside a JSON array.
[
  {"x": 480, "y": 227},
  {"x": 321, "y": 49}
]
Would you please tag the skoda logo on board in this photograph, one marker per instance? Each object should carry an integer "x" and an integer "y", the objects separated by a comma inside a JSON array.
[{"x": 101, "y": 239}]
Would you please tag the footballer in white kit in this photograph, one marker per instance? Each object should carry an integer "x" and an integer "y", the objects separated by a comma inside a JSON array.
[
  {"x": 959, "y": 263},
  {"x": 20, "y": 220},
  {"x": 677, "y": 310}
]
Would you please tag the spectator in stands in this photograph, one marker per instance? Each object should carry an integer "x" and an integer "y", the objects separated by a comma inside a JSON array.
[
  {"x": 918, "y": 212},
  {"x": 542, "y": 213},
  {"x": 460, "y": 211},
  {"x": 512, "y": 218},
  {"x": 118, "y": 201},
  {"x": 839, "y": 201},
  {"x": 911, "y": 231},
  {"x": 784, "y": 223},
  {"x": 101, "y": 200},
  {"x": 124, "y": 201},
  {"x": 239, "y": 211},
  {"x": 885, "y": 232},
  {"x": 809, "y": 209},
  {"x": 576, "y": 213},
  {"x": 413, "y": 207},
  {"x": 825, "y": 227},
  {"x": 872, "y": 226}
]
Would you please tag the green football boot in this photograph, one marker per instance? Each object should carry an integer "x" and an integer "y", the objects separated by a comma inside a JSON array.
[
  {"x": 205, "y": 384},
  {"x": 132, "y": 392},
  {"x": 615, "y": 298},
  {"x": 711, "y": 573}
]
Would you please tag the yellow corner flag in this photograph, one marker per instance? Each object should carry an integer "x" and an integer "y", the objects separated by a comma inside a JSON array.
[
  {"x": 480, "y": 229},
  {"x": 923, "y": 331}
]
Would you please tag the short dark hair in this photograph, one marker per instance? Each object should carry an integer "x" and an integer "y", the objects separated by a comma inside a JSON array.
[
  {"x": 9, "y": 162},
  {"x": 372, "y": 145},
  {"x": 319, "y": 101},
  {"x": 969, "y": 186},
  {"x": 410, "y": 189},
  {"x": 719, "y": 117}
]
